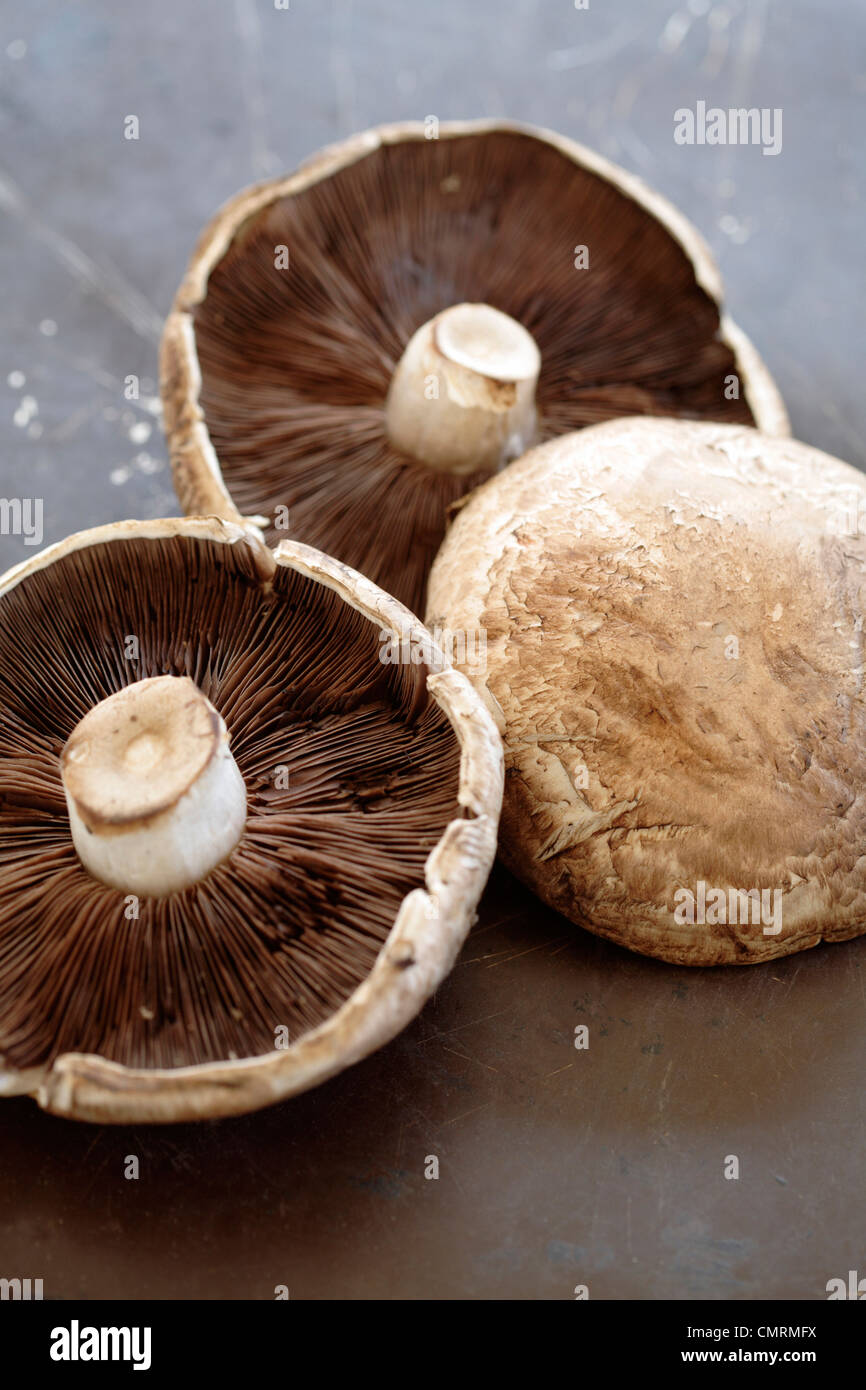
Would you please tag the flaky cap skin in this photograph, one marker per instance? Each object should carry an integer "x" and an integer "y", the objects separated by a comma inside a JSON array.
[
  {"x": 429, "y": 928},
  {"x": 673, "y": 616}
]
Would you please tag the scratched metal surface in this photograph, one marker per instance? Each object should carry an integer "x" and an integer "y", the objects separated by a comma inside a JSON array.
[{"x": 557, "y": 1167}]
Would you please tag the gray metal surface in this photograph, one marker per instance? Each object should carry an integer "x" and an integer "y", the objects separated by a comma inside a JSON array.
[{"x": 557, "y": 1167}]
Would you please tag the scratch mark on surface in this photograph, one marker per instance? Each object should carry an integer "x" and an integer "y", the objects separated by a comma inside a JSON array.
[
  {"x": 626, "y": 95},
  {"x": 457, "y": 1183},
  {"x": 488, "y": 955},
  {"x": 663, "y": 1087},
  {"x": 473, "y": 1024},
  {"x": 466, "y": 1058},
  {"x": 96, "y": 373},
  {"x": 528, "y": 952},
  {"x": 567, "y": 1067},
  {"x": 73, "y": 422},
  {"x": 563, "y": 947},
  {"x": 750, "y": 48},
  {"x": 341, "y": 68},
  {"x": 466, "y": 1113},
  {"x": 635, "y": 148},
  {"x": 104, "y": 280},
  {"x": 264, "y": 162},
  {"x": 92, "y": 1145},
  {"x": 718, "y": 23},
  {"x": 675, "y": 31},
  {"x": 831, "y": 410},
  {"x": 566, "y": 59}
]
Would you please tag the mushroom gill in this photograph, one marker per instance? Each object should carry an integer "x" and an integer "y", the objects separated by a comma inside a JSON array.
[
  {"x": 308, "y": 377},
  {"x": 351, "y": 774}
]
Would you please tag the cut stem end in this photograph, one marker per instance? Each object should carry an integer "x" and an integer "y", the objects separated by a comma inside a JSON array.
[
  {"x": 155, "y": 798},
  {"x": 462, "y": 399}
]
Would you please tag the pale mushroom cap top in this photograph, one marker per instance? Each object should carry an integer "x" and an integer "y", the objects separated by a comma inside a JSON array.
[{"x": 673, "y": 615}]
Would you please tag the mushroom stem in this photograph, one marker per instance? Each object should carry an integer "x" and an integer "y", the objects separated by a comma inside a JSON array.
[
  {"x": 462, "y": 398},
  {"x": 155, "y": 798}
]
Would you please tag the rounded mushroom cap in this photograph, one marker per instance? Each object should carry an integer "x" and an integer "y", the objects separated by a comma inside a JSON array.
[
  {"x": 373, "y": 791},
  {"x": 304, "y": 292},
  {"x": 673, "y": 615}
]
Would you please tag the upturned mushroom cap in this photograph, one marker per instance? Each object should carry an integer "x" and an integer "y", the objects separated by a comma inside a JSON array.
[
  {"x": 674, "y": 634},
  {"x": 308, "y": 375},
  {"x": 371, "y": 793}
]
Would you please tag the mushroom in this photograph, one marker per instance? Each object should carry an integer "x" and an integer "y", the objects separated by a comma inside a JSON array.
[
  {"x": 674, "y": 616},
  {"x": 356, "y": 346},
  {"x": 282, "y": 805}
]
